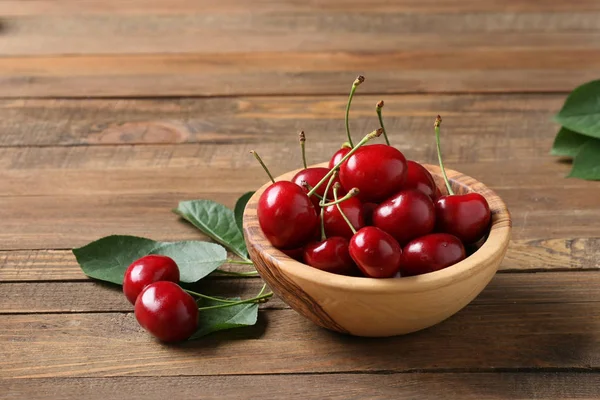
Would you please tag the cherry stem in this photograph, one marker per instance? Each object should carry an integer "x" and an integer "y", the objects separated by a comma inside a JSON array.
[
  {"x": 360, "y": 79},
  {"x": 257, "y": 299},
  {"x": 346, "y": 145},
  {"x": 302, "y": 147},
  {"x": 233, "y": 273},
  {"x": 203, "y": 296},
  {"x": 351, "y": 193},
  {"x": 335, "y": 189},
  {"x": 370, "y": 136},
  {"x": 239, "y": 262},
  {"x": 308, "y": 187},
  {"x": 263, "y": 165},
  {"x": 322, "y": 217},
  {"x": 329, "y": 182},
  {"x": 436, "y": 126},
  {"x": 378, "y": 108}
]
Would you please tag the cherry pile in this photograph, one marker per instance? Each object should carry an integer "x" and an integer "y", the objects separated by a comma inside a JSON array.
[{"x": 372, "y": 212}]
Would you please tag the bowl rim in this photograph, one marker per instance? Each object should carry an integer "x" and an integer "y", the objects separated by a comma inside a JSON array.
[{"x": 494, "y": 247}]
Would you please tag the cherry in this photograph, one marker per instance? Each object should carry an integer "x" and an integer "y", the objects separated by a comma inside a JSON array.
[
  {"x": 330, "y": 255},
  {"x": 312, "y": 176},
  {"x": 376, "y": 253},
  {"x": 337, "y": 156},
  {"x": 166, "y": 311},
  {"x": 466, "y": 216},
  {"x": 286, "y": 215},
  {"x": 147, "y": 270},
  {"x": 378, "y": 171},
  {"x": 335, "y": 225},
  {"x": 406, "y": 215},
  {"x": 431, "y": 253},
  {"x": 419, "y": 178}
]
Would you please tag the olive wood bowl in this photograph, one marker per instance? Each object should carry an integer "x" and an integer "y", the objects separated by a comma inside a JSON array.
[{"x": 381, "y": 307}]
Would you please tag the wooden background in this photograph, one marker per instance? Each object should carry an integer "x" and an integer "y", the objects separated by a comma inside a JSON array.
[{"x": 113, "y": 111}]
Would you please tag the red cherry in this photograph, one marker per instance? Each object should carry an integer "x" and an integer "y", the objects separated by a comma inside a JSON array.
[
  {"x": 286, "y": 215},
  {"x": 335, "y": 225},
  {"x": 420, "y": 179},
  {"x": 330, "y": 255},
  {"x": 431, "y": 253},
  {"x": 378, "y": 171},
  {"x": 406, "y": 215},
  {"x": 337, "y": 156},
  {"x": 368, "y": 210},
  {"x": 376, "y": 253},
  {"x": 147, "y": 270},
  {"x": 166, "y": 311},
  {"x": 466, "y": 216},
  {"x": 312, "y": 176}
]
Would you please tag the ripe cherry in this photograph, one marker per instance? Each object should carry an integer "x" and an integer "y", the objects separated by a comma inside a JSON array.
[
  {"x": 376, "y": 253},
  {"x": 466, "y": 216},
  {"x": 406, "y": 215},
  {"x": 431, "y": 253},
  {"x": 335, "y": 225},
  {"x": 166, "y": 311},
  {"x": 312, "y": 176},
  {"x": 330, "y": 255},
  {"x": 286, "y": 215},
  {"x": 296, "y": 253},
  {"x": 378, "y": 171},
  {"x": 147, "y": 270},
  {"x": 419, "y": 178},
  {"x": 337, "y": 156}
]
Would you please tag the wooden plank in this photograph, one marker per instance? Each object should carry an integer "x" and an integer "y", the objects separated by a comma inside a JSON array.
[
  {"x": 266, "y": 31},
  {"x": 533, "y": 69},
  {"x": 474, "y": 119},
  {"x": 464, "y": 386},
  {"x": 523, "y": 255},
  {"x": 69, "y": 7},
  {"x": 508, "y": 336},
  {"x": 65, "y": 297}
]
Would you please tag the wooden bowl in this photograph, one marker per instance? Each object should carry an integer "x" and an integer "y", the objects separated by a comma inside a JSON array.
[{"x": 381, "y": 307}]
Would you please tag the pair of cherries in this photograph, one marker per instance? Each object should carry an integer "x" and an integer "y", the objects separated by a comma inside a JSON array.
[
  {"x": 398, "y": 222},
  {"x": 162, "y": 307}
]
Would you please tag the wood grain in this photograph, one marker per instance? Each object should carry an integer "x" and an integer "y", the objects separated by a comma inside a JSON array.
[
  {"x": 92, "y": 48},
  {"x": 470, "y": 119},
  {"x": 68, "y": 7},
  {"x": 463, "y": 386},
  {"x": 552, "y": 337},
  {"x": 88, "y": 296}
]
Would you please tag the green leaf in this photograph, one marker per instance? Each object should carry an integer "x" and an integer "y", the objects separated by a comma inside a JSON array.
[
  {"x": 216, "y": 221},
  {"x": 240, "y": 206},
  {"x": 195, "y": 259},
  {"x": 219, "y": 319},
  {"x": 568, "y": 143},
  {"x": 581, "y": 111},
  {"x": 587, "y": 162},
  {"x": 107, "y": 259}
]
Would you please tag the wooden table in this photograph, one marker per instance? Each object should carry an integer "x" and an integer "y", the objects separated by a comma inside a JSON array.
[{"x": 112, "y": 112}]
